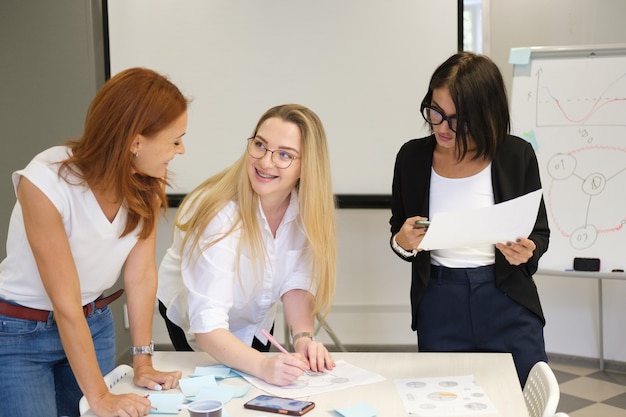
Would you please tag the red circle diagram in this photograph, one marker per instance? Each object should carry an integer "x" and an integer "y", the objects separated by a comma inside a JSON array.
[{"x": 585, "y": 193}]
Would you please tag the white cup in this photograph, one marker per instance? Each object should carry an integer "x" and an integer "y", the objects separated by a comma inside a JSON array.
[{"x": 205, "y": 408}]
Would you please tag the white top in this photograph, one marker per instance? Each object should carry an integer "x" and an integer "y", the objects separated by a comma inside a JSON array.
[
  {"x": 99, "y": 253},
  {"x": 207, "y": 293},
  {"x": 449, "y": 194}
]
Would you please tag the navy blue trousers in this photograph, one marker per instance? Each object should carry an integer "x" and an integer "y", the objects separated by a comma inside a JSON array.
[{"x": 461, "y": 310}]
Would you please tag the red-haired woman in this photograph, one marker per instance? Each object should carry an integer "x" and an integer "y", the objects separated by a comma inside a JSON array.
[{"x": 84, "y": 212}]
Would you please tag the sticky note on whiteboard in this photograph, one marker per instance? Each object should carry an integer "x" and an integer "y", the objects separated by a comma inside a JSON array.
[{"x": 519, "y": 56}]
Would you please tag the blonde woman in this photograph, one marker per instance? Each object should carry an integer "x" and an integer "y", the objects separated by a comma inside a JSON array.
[{"x": 259, "y": 232}]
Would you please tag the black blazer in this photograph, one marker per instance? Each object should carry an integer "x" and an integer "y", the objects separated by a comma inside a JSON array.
[{"x": 514, "y": 172}]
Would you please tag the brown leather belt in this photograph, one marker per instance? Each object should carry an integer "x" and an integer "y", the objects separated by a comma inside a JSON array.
[{"x": 26, "y": 313}]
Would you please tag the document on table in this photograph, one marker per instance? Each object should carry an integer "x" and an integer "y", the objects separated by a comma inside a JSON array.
[
  {"x": 443, "y": 396},
  {"x": 343, "y": 376},
  {"x": 485, "y": 225}
]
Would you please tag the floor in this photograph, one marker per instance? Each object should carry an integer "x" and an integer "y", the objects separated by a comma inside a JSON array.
[{"x": 588, "y": 392}]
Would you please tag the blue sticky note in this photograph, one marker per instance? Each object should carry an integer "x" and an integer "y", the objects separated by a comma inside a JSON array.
[
  {"x": 191, "y": 386},
  {"x": 519, "y": 56},
  {"x": 165, "y": 403},
  {"x": 214, "y": 393},
  {"x": 218, "y": 371},
  {"x": 236, "y": 390},
  {"x": 359, "y": 410}
]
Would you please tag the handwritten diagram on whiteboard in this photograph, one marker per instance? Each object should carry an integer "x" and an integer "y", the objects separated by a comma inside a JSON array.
[{"x": 573, "y": 111}]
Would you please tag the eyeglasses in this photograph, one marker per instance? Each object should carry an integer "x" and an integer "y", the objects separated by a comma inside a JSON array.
[
  {"x": 435, "y": 117},
  {"x": 257, "y": 150}
]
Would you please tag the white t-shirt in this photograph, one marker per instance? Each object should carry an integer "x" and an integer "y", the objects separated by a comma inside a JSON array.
[
  {"x": 206, "y": 293},
  {"x": 449, "y": 194},
  {"x": 99, "y": 252}
]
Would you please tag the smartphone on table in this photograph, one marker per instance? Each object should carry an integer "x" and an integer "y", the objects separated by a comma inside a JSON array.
[{"x": 280, "y": 405}]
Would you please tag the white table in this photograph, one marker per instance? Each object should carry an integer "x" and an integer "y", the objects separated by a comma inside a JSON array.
[{"x": 494, "y": 372}]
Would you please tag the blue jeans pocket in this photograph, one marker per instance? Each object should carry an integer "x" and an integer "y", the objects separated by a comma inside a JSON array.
[{"x": 11, "y": 328}]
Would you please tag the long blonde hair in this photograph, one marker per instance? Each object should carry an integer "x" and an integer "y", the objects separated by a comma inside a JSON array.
[{"x": 315, "y": 201}]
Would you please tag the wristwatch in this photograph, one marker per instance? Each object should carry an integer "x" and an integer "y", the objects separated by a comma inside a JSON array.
[
  {"x": 399, "y": 249},
  {"x": 300, "y": 336},
  {"x": 142, "y": 350}
]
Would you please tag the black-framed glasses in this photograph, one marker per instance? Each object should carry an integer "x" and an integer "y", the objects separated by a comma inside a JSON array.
[
  {"x": 282, "y": 159},
  {"x": 436, "y": 117}
]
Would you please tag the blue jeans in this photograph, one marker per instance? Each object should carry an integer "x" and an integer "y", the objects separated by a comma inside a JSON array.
[
  {"x": 36, "y": 376},
  {"x": 462, "y": 310}
]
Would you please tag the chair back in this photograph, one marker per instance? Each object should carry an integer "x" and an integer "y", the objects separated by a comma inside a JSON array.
[
  {"x": 541, "y": 391},
  {"x": 110, "y": 379}
]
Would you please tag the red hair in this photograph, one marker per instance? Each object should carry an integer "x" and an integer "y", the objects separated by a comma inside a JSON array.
[{"x": 135, "y": 101}]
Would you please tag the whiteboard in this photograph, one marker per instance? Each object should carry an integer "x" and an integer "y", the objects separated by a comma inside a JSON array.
[
  {"x": 362, "y": 65},
  {"x": 570, "y": 103}
]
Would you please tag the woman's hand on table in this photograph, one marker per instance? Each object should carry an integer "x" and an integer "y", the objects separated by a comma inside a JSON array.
[
  {"x": 146, "y": 376},
  {"x": 123, "y": 405},
  {"x": 319, "y": 358}
]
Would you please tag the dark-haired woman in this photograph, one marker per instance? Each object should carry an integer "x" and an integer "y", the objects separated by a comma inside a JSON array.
[{"x": 480, "y": 298}]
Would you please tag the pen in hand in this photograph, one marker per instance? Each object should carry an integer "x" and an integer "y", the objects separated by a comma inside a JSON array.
[
  {"x": 282, "y": 349},
  {"x": 274, "y": 341}
]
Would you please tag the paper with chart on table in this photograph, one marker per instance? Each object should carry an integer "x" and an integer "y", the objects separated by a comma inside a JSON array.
[
  {"x": 443, "y": 396},
  {"x": 343, "y": 376},
  {"x": 501, "y": 222}
]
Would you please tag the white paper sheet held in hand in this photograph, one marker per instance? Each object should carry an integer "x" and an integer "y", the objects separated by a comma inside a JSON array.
[{"x": 486, "y": 225}]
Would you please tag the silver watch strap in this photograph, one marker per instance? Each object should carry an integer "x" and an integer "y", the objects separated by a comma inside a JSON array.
[{"x": 142, "y": 350}]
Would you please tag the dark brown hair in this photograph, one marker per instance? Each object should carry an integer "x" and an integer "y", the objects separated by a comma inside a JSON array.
[{"x": 479, "y": 95}]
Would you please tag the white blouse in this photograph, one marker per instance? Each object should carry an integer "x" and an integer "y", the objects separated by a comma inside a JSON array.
[{"x": 218, "y": 289}]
